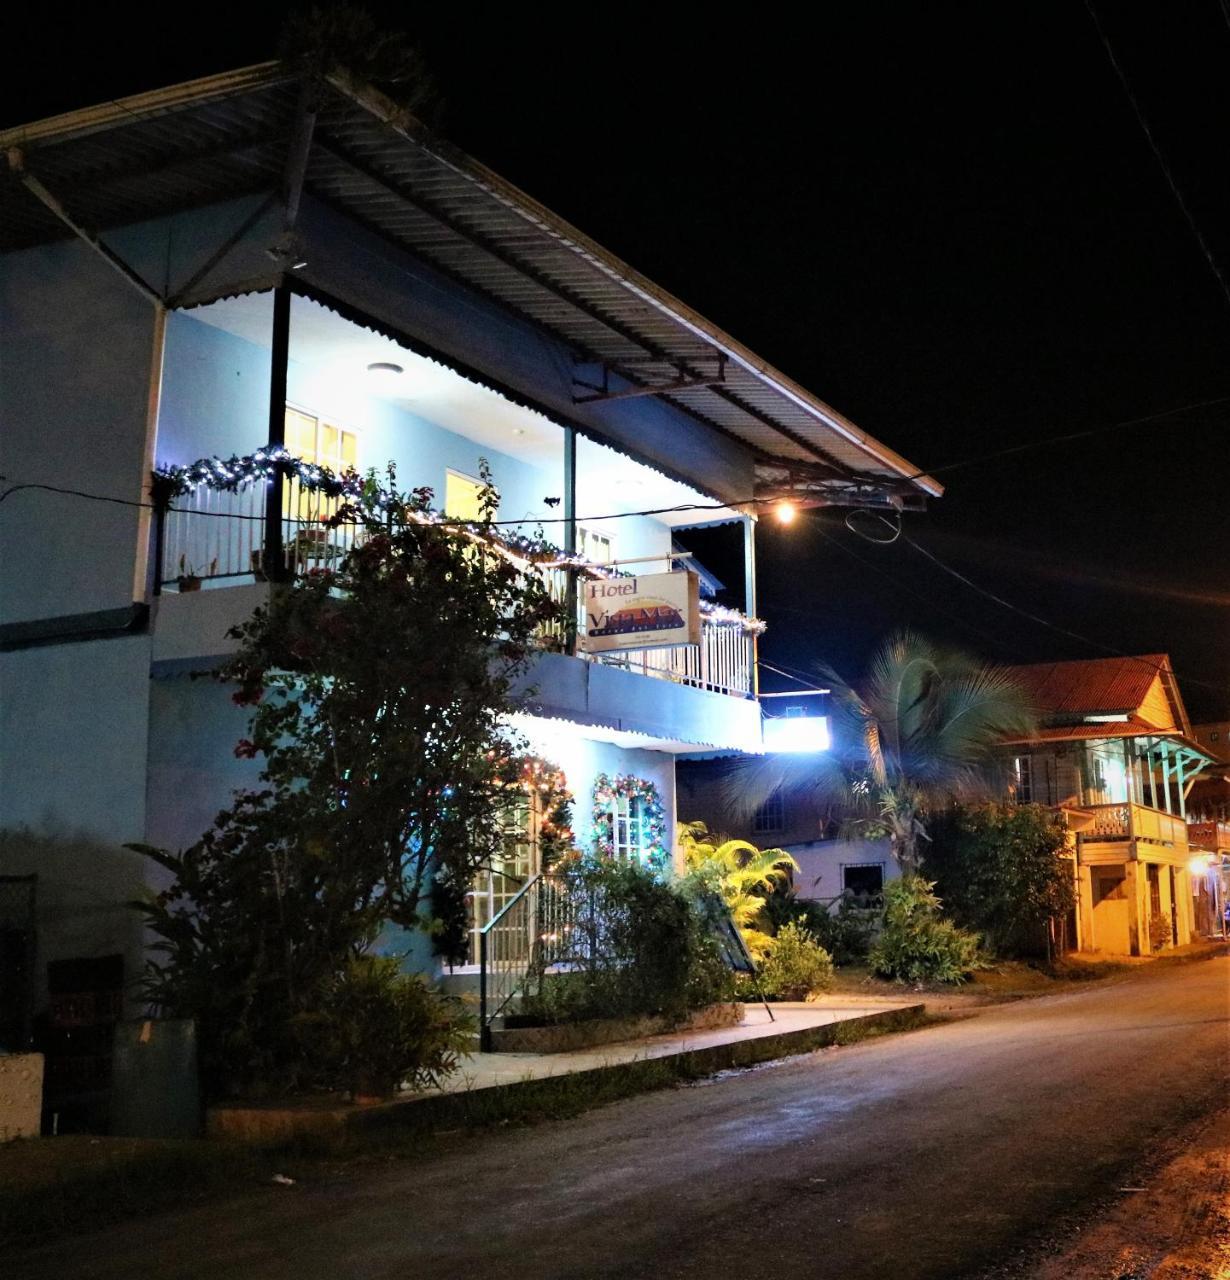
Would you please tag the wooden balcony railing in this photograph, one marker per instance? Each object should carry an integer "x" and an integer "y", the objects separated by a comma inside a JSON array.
[
  {"x": 1135, "y": 822},
  {"x": 1214, "y": 836}
]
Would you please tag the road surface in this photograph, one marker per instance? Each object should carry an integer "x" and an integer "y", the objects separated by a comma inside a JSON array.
[{"x": 922, "y": 1155}]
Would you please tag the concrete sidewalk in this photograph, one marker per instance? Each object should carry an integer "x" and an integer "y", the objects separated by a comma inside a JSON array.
[
  {"x": 485, "y": 1070},
  {"x": 487, "y": 1080}
]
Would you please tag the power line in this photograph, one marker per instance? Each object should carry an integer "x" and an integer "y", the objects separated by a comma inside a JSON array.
[
  {"x": 1157, "y": 152},
  {"x": 1069, "y": 436},
  {"x": 900, "y": 586},
  {"x": 1044, "y": 622}
]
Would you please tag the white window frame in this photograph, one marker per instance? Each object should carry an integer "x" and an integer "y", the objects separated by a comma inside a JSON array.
[
  {"x": 627, "y": 828},
  {"x": 586, "y": 535},
  {"x": 856, "y": 866}
]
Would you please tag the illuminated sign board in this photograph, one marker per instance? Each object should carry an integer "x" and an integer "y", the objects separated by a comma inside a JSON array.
[{"x": 649, "y": 611}]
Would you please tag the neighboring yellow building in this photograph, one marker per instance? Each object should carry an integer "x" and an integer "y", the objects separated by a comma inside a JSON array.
[{"x": 1115, "y": 752}]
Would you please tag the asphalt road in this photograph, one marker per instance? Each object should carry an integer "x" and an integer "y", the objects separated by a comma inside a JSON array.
[{"x": 921, "y": 1155}]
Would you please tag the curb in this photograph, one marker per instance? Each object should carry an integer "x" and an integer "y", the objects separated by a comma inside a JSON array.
[{"x": 543, "y": 1097}]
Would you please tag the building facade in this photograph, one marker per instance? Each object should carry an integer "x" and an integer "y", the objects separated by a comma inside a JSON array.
[
  {"x": 1115, "y": 753},
  {"x": 195, "y": 277}
]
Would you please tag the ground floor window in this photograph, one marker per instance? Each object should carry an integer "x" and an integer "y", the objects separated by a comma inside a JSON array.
[
  {"x": 770, "y": 817},
  {"x": 629, "y": 821},
  {"x": 863, "y": 880}
]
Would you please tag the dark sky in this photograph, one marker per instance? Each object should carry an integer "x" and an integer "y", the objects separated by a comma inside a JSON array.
[{"x": 944, "y": 219}]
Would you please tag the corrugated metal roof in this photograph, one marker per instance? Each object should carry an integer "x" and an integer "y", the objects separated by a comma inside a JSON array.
[
  {"x": 229, "y": 135},
  {"x": 1093, "y": 686},
  {"x": 1133, "y": 728}
]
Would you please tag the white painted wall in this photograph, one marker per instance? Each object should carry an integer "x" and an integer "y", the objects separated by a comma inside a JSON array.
[{"x": 821, "y": 862}]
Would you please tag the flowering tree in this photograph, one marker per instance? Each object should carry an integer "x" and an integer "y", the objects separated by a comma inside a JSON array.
[{"x": 379, "y": 688}]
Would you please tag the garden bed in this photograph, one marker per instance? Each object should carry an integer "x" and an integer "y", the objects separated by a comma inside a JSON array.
[{"x": 564, "y": 1037}]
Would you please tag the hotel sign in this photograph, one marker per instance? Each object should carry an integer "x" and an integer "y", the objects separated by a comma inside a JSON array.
[{"x": 646, "y": 612}]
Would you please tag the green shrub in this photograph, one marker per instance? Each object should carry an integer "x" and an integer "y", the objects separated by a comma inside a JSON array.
[
  {"x": 1001, "y": 871},
  {"x": 796, "y": 965},
  {"x": 378, "y": 1027},
  {"x": 845, "y": 932},
  {"x": 916, "y": 944},
  {"x": 641, "y": 946}
]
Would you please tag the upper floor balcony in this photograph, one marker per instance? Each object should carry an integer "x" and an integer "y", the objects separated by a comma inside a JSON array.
[
  {"x": 1213, "y": 836},
  {"x": 354, "y": 400},
  {"x": 1129, "y": 821}
]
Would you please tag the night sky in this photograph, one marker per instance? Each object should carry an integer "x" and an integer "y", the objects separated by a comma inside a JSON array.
[{"x": 944, "y": 219}]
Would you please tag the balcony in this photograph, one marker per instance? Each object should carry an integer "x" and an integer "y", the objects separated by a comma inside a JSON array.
[
  {"x": 1213, "y": 836},
  {"x": 1134, "y": 822},
  {"x": 215, "y": 537}
]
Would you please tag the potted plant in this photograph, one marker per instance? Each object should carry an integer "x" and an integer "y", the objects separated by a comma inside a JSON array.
[{"x": 189, "y": 579}]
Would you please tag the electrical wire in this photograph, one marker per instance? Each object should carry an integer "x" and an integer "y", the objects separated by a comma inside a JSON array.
[
  {"x": 807, "y": 684},
  {"x": 1142, "y": 120},
  {"x": 1069, "y": 436},
  {"x": 1045, "y": 622}
]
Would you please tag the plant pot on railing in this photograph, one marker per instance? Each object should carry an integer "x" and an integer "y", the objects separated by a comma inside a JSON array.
[{"x": 189, "y": 578}]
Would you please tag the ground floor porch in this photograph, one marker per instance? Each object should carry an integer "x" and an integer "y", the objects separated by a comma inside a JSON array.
[{"x": 1134, "y": 898}]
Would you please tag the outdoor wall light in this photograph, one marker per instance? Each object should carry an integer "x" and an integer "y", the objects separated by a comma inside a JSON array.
[{"x": 785, "y": 512}]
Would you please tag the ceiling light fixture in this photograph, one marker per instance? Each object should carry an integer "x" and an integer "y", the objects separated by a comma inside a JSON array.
[
  {"x": 785, "y": 512},
  {"x": 385, "y": 370}
]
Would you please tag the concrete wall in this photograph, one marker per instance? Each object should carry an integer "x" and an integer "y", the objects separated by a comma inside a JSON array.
[
  {"x": 822, "y": 863},
  {"x": 74, "y": 386},
  {"x": 21, "y": 1095},
  {"x": 73, "y": 732}
]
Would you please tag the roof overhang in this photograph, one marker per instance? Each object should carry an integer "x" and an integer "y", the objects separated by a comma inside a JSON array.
[{"x": 258, "y": 130}]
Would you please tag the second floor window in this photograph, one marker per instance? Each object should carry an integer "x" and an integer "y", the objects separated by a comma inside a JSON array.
[
  {"x": 462, "y": 497},
  {"x": 771, "y": 816},
  {"x": 594, "y": 548},
  {"x": 1023, "y": 779},
  {"x": 327, "y": 445}
]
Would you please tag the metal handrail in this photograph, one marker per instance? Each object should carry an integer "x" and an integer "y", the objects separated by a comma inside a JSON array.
[{"x": 493, "y": 938}]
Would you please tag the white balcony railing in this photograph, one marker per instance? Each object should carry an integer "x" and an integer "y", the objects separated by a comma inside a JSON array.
[{"x": 214, "y": 536}]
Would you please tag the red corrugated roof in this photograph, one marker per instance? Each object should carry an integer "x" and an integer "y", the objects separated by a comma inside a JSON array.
[{"x": 1093, "y": 686}]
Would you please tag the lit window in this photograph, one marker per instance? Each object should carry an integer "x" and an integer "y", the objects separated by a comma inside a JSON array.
[
  {"x": 1023, "y": 785},
  {"x": 462, "y": 496},
  {"x": 321, "y": 442},
  {"x": 594, "y": 548},
  {"x": 628, "y": 828},
  {"x": 770, "y": 816}
]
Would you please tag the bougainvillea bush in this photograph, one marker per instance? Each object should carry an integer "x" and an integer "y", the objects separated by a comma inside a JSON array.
[{"x": 378, "y": 689}]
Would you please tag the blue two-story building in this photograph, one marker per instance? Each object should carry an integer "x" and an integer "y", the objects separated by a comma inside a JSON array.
[{"x": 248, "y": 261}]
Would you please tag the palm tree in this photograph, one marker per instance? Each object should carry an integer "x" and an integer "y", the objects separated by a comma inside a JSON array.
[
  {"x": 740, "y": 874},
  {"x": 917, "y": 735}
]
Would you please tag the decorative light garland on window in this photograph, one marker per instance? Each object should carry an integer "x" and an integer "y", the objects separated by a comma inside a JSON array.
[
  {"x": 655, "y": 851},
  {"x": 539, "y": 778},
  {"x": 239, "y": 472}
]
